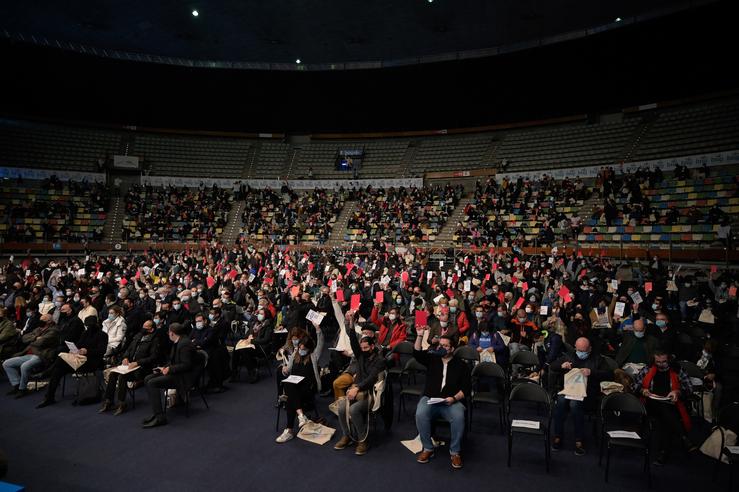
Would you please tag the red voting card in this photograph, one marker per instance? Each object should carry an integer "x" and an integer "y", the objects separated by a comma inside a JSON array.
[
  {"x": 714, "y": 269},
  {"x": 564, "y": 292},
  {"x": 295, "y": 290},
  {"x": 732, "y": 291},
  {"x": 487, "y": 277},
  {"x": 311, "y": 266},
  {"x": 233, "y": 274},
  {"x": 422, "y": 317},
  {"x": 210, "y": 281},
  {"x": 525, "y": 287},
  {"x": 648, "y": 287},
  {"x": 354, "y": 305},
  {"x": 404, "y": 277},
  {"x": 450, "y": 293},
  {"x": 379, "y": 296},
  {"x": 340, "y": 295},
  {"x": 519, "y": 303}
]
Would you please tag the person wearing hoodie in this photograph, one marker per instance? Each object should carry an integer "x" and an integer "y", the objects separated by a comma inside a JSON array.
[{"x": 92, "y": 345}]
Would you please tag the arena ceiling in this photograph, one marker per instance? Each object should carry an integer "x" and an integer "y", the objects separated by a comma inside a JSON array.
[{"x": 323, "y": 34}]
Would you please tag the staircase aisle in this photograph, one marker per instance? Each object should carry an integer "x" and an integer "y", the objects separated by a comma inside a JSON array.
[{"x": 445, "y": 237}]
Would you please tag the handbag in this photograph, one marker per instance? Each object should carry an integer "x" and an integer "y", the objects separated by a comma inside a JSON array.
[
  {"x": 712, "y": 445},
  {"x": 89, "y": 390},
  {"x": 316, "y": 433},
  {"x": 75, "y": 361}
]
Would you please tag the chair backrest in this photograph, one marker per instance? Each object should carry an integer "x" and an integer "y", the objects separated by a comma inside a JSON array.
[
  {"x": 414, "y": 366},
  {"x": 610, "y": 362},
  {"x": 728, "y": 416},
  {"x": 691, "y": 369},
  {"x": 405, "y": 348},
  {"x": 488, "y": 370},
  {"x": 623, "y": 403},
  {"x": 529, "y": 392},
  {"x": 525, "y": 358},
  {"x": 467, "y": 353}
]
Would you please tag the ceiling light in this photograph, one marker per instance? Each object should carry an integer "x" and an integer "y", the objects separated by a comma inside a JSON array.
[
  {"x": 195, "y": 13},
  {"x": 618, "y": 19},
  {"x": 297, "y": 61}
]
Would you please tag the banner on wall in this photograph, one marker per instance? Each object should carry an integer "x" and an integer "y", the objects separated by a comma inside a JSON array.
[
  {"x": 125, "y": 162},
  {"x": 668, "y": 164},
  {"x": 41, "y": 174},
  {"x": 276, "y": 184}
]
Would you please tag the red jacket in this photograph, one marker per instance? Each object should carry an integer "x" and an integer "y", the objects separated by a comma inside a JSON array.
[
  {"x": 463, "y": 324},
  {"x": 398, "y": 330}
]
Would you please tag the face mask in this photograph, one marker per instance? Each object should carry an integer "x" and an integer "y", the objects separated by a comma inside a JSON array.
[
  {"x": 478, "y": 314},
  {"x": 120, "y": 296},
  {"x": 528, "y": 310},
  {"x": 76, "y": 298},
  {"x": 453, "y": 309},
  {"x": 46, "y": 301},
  {"x": 501, "y": 314},
  {"x": 142, "y": 296},
  {"x": 687, "y": 284},
  {"x": 443, "y": 323},
  {"x": 485, "y": 334},
  {"x": 303, "y": 352},
  {"x": 441, "y": 352},
  {"x": 295, "y": 343},
  {"x": 661, "y": 323},
  {"x": 199, "y": 325},
  {"x": 111, "y": 316},
  {"x": 176, "y": 307},
  {"x": 29, "y": 314},
  {"x": 185, "y": 298},
  {"x": 639, "y": 334},
  {"x": 399, "y": 301},
  {"x": 260, "y": 317},
  {"x": 157, "y": 321},
  {"x": 654, "y": 307},
  {"x": 225, "y": 299},
  {"x": 471, "y": 298},
  {"x": 153, "y": 296},
  {"x": 391, "y": 317},
  {"x": 521, "y": 320},
  {"x": 212, "y": 317},
  {"x": 58, "y": 303},
  {"x": 69, "y": 292},
  {"x": 200, "y": 291},
  {"x": 706, "y": 354},
  {"x": 582, "y": 355}
]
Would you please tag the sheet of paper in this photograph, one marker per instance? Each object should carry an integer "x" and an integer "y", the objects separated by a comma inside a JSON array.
[
  {"x": 280, "y": 331},
  {"x": 293, "y": 379},
  {"x": 467, "y": 285},
  {"x": 72, "y": 348},
  {"x": 528, "y": 424},
  {"x": 619, "y": 309},
  {"x": 543, "y": 310},
  {"x": 733, "y": 449},
  {"x": 636, "y": 297},
  {"x": 315, "y": 317},
  {"x": 435, "y": 401},
  {"x": 413, "y": 445},
  {"x": 125, "y": 369},
  {"x": 624, "y": 435},
  {"x": 438, "y": 298}
]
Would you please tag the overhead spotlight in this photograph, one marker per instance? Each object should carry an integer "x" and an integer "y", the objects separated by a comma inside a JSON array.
[
  {"x": 431, "y": 1},
  {"x": 297, "y": 61},
  {"x": 618, "y": 19},
  {"x": 195, "y": 13}
]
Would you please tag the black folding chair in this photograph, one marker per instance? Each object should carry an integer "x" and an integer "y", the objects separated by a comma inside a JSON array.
[
  {"x": 623, "y": 413},
  {"x": 727, "y": 418},
  {"x": 412, "y": 369},
  {"x": 397, "y": 358},
  {"x": 468, "y": 354},
  {"x": 527, "y": 393},
  {"x": 525, "y": 359},
  {"x": 489, "y": 372},
  {"x": 695, "y": 373}
]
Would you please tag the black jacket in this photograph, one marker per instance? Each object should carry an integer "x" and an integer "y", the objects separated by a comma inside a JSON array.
[
  {"x": 70, "y": 330},
  {"x": 368, "y": 365},
  {"x": 182, "y": 360},
  {"x": 457, "y": 375},
  {"x": 96, "y": 342},
  {"x": 144, "y": 350},
  {"x": 599, "y": 371}
]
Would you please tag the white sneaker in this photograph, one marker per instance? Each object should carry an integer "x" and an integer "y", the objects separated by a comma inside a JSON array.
[
  {"x": 302, "y": 420},
  {"x": 285, "y": 436}
]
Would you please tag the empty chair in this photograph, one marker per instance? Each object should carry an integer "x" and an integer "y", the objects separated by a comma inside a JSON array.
[
  {"x": 528, "y": 393},
  {"x": 491, "y": 374}
]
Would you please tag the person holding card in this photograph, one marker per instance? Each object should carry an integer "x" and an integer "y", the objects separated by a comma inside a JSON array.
[
  {"x": 304, "y": 363},
  {"x": 447, "y": 377},
  {"x": 393, "y": 329}
]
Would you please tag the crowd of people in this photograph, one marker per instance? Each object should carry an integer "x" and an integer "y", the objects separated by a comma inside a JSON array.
[
  {"x": 539, "y": 200},
  {"x": 56, "y": 204},
  {"x": 402, "y": 214},
  {"x": 334, "y": 320},
  {"x": 175, "y": 214},
  {"x": 279, "y": 216}
]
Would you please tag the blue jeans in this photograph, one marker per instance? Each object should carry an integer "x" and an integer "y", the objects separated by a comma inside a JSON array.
[
  {"x": 19, "y": 368},
  {"x": 454, "y": 414},
  {"x": 578, "y": 416}
]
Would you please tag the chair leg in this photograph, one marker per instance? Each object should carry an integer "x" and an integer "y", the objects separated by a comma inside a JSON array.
[
  {"x": 500, "y": 419},
  {"x": 648, "y": 467},
  {"x": 277, "y": 423},
  {"x": 202, "y": 396},
  {"x": 600, "y": 450},
  {"x": 510, "y": 447},
  {"x": 608, "y": 461},
  {"x": 400, "y": 406}
]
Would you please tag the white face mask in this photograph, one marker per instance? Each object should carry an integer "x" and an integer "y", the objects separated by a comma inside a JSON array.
[
  {"x": 391, "y": 317},
  {"x": 260, "y": 317},
  {"x": 443, "y": 323}
]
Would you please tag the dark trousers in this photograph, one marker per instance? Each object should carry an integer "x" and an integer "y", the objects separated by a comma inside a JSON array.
[
  {"x": 58, "y": 370},
  {"x": 298, "y": 397},
  {"x": 154, "y": 384},
  {"x": 118, "y": 384},
  {"x": 668, "y": 423},
  {"x": 578, "y": 416},
  {"x": 245, "y": 357}
]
